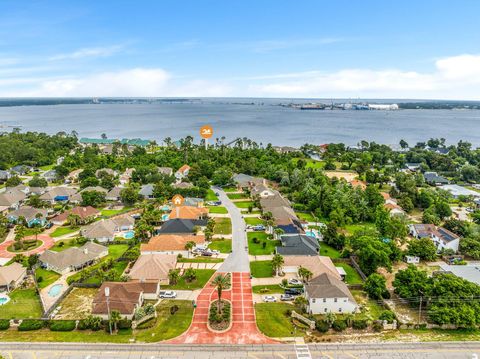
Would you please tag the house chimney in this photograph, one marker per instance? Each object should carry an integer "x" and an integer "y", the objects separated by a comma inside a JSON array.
[
  {"x": 85, "y": 250},
  {"x": 178, "y": 212}
]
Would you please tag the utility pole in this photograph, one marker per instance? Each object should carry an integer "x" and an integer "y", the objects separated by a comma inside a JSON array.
[
  {"x": 420, "y": 310},
  {"x": 107, "y": 295}
]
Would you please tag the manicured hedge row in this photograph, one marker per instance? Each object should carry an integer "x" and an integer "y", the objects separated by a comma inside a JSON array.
[
  {"x": 62, "y": 325},
  {"x": 4, "y": 324},
  {"x": 31, "y": 324}
]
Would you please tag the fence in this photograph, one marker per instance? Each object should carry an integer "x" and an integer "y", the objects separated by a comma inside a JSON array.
[
  {"x": 310, "y": 323},
  {"x": 355, "y": 265}
]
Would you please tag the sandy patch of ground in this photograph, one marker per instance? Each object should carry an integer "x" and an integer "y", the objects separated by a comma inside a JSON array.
[
  {"x": 77, "y": 304},
  {"x": 348, "y": 176}
]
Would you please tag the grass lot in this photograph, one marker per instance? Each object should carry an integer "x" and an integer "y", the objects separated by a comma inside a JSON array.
[
  {"x": 268, "y": 289},
  {"x": 310, "y": 163},
  {"x": 62, "y": 231},
  {"x": 326, "y": 250},
  {"x": 200, "y": 260},
  {"x": 257, "y": 249},
  {"x": 273, "y": 321},
  {"x": 243, "y": 204},
  {"x": 254, "y": 221},
  {"x": 237, "y": 195},
  {"x": 223, "y": 226},
  {"x": 10, "y": 248},
  {"x": 48, "y": 277},
  {"x": 46, "y": 167},
  {"x": 230, "y": 189},
  {"x": 24, "y": 303},
  {"x": 371, "y": 309},
  {"x": 211, "y": 196},
  {"x": 203, "y": 276},
  {"x": 67, "y": 243},
  {"x": 305, "y": 216},
  {"x": 113, "y": 212},
  {"x": 217, "y": 209},
  {"x": 221, "y": 245},
  {"x": 353, "y": 228},
  {"x": 352, "y": 275},
  {"x": 167, "y": 326},
  {"x": 115, "y": 251},
  {"x": 77, "y": 304},
  {"x": 261, "y": 269}
]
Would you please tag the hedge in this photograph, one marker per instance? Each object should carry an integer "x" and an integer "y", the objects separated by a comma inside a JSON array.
[
  {"x": 62, "y": 325},
  {"x": 31, "y": 324},
  {"x": 4, "y": 324},
  {"x": 322, "y": 326},
  {"x": 339, "y": 325},
  {"x": 359, "y": 324},
  {"x": 124, "y": 324}
]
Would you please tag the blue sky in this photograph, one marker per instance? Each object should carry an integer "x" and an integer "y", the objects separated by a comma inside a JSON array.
[{"x": 380, "y": 49}]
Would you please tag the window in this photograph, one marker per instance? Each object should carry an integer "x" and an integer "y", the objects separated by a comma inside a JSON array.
[
  {"x": 335, "y": 300},
  {"x": 313, "y": 300},
  {"x": 324, "y": 300},
  {"x": 325, "y": 310},
  {"x": 339, "y": 310}
]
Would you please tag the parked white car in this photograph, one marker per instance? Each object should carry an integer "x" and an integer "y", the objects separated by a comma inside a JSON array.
[
  {"x": 294, "y": 281},
  {"x": 167, "y": 294},
  {"x": 269, "y": 299}
]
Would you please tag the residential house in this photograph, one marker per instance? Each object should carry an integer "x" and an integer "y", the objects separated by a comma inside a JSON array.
[
  {"x": 413, "y": 167},
  {"x": 126, "y": 176},
  {"x": 86, "y": 214},
  {"x": 182, "y": 185},
  {"x": 77, "y": 197},
  {"x": 34, "y": 217},
  {"x": 180, "y": 226},
  {"x": 105, "y": 170},
  {"x": 153, "y": 267},
  {"x": 147, "y": 191},
  {"x": 105, "y": 230},
  {"x": 124, "y": 297},
  {"x": 391, "y": 205},
  {"x": 441, "y": 237},
  {"x": 457, "y": 191},
  {"x": 187, "y": 212},
  {"x": 50, "y": 176},
  {"x": 468, "y": 272},
  {"x": 12, "y": 276},
  {"x": 357, "y": 183},
  {"x": 412, "y": 259},
  {"x": 262, "y": 191},
  {"x": 167, "y": 171},
  {"x": 73, "y": 176},
  {"x": 4, "y": 175},
  {"x": 73, "y": 258},
  {"x": 242, "y": 180},
  {"x": 194, "y": 202},
  {"x": 182, "y": 172},
  {"x": 314, "y": 263},
  {"x": 327, "y": 293},
  {"x": 21, "y": 169},
  {"x": 12, "y": 198},
  {"x": 58, "y": 194},
  {"x": 434, "y": 179},
  {"x": 114, "y": 194},
  {"x": 170, "y": 244},
  {"x": 298, "y": 244},
  {"x": 284, "y": 149}
]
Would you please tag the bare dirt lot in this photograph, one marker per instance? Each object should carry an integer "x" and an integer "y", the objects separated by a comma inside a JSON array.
[{"x": 77, "y": 304}]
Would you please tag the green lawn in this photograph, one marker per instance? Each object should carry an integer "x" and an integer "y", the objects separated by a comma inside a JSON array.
[
  {"x": 12, "y": 249},
  {"x": 310, "y": 163},
  {"x": 211, "y": 196},
  {"x": 23, "y": 304},
  {"x": 254, "y": 221},
  {"x": 230, "y": 189},
  {"x": 63, "y": 244},
  {"x": 217, "y": 209},
  {"x": 268, "y": 289},
  {"x": 305, "y": 216},
  {"x": 243, "y": 204},
  {"x": 62, "y": 231},
  {"x": 273, "y": 321},
  {"x": 353, "y": 228},
  {"x": 261, "y": 269},
  {"x": 223, "y": 226},
  {"x": 221, "y": 245},
  {"x": 48, "y": 277},
  {"x": 237, "y": 195},
  {"x": 203, "y": 276},
  {"x": 113, "y": 212},
  {"x": 326, "y": 250},
  {"x": 352, "y": 275},
  {"x": 257, "y": 249},
  {"x": 46, "y": 167}
]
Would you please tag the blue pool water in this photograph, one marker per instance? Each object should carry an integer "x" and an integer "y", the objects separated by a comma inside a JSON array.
[
  {"x": 311, "y": 234},
  {"x": 3, "y": 300},
  {"x": 129, "y": 235},
  {"x": 165, "y": 217},
  {"x": 55, "y": 290},
  {"x": 165, "y": 208}
]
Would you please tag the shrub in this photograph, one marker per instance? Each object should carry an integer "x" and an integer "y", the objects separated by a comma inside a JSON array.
[
  {"x": 377, "y": 326},
  {"x": 264, "y": 245},
  {"x": 322, "y": 326},
  {"x": 288, "y": 313},
  {"x": 124, "y": 324},
  {"x": 359, "y": 324},
  {"x": 4, "y": 324},
  {"x": 92, "y": 323},
  {"x": 339, "y": 325},
  {"x": 39, "y": 279},
  {"x": 31, "y": 324},
  {"x": 173, "y": 309},
  {"x": 62, "y": 325},
  {"x": 387, "y": 315},
  {"x": 150, "y": 323}
]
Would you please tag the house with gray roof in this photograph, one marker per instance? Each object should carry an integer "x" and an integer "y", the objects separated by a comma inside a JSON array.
[
  {"x": 105, "y": 230},
  {"x": 147, "y": 191},
  {"x": 167, "y": 171},
  {"x": 72, "y": 259},
  {"x": 12, "y": 276},
  {"x": 12, "y": 198},
  {"x": 114, "y": 194},
  {"x": 434, "y": 179},
  {"x": 4, "y": 175},
  {"x": 58, "y": 194},
  {"x": 298, "y": 244},
  {"x": 34, "y": 217}
]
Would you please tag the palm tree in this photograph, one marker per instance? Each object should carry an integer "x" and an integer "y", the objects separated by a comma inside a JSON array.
[
  {"x": 301, "y": 302},
  {"x": 173, "y": 275},
  {"x": 278, "y": 232},
  {"x": 269, "y": 223},
  {"x": 305, "y": 274},
  {"x": 277, "y": 263},
  {"x": 189, "y": 246},
  {"x": 220, "y": 282},
  {"x": 73, "y": 220},
  {"x": 115, "y": 317}
]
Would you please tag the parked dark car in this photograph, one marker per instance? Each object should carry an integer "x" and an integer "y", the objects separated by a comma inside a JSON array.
[
  {"x": 49, "y": 225},
  {"x": 207, "y": 254},
  {"x": 294, "y": 291}
]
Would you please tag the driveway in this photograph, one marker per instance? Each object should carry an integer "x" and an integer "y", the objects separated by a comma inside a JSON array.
[{"x": 237, "y": 261}]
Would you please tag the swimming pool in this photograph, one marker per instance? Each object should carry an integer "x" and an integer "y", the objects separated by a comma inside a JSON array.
[
  {"x": 55, "y": 290},
  {"x": 165, "y": 208},
  {"x": 311, "y": 234},
  {"x": 129, "y": 235},
  {"x": 165, "y": 217},
  {"x": 4, "y": 299}
]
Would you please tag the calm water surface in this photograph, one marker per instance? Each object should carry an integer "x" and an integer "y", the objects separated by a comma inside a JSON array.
[{"x": 263, "y": 123}]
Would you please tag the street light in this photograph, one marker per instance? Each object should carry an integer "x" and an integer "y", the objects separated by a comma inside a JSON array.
[{"x": 107, "y": 295}]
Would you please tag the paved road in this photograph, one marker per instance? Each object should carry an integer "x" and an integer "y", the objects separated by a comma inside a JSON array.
[
  {"x": 237, "y": 261},
  {"x": 440, "y": 350}
]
